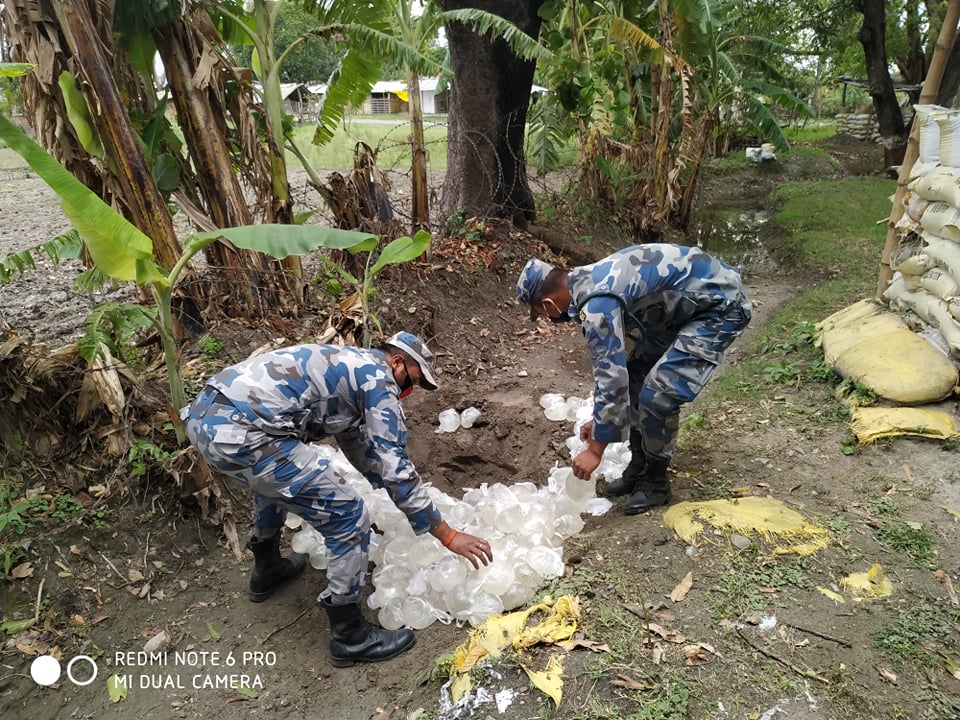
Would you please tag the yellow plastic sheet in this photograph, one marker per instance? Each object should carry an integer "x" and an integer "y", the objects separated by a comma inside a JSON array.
[
  {"x": 786, "y": 529},
  {"x": 869, "y": 345},
  {"x": 868, "y": 585},
  {"x": 872, "y": 423},
  {"x": 835, "y": 596},
  {"x": 549, "y": 681},
  {"x": 558, "y": 623}
]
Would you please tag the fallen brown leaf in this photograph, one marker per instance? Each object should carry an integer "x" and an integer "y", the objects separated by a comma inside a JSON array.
[
  {"x": 21, "y": 571},
  {"x": 887, "y": 675},
  {"x": 682, "y": 588},
  {"x": 134, "y": 575},
  {"x": 945, "y": 579},
  {"x": 629, "y": 682},
  {"x": 709, "y": 648},
  {"x": 692, "y": 653},
  {"x": 658, "y": 652},
  {"x": 671, "y": 636},
  {"x": 591, "y": 645},
  {"x": 382, "y": 714}
]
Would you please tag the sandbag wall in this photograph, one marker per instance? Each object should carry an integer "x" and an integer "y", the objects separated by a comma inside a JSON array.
[
  {"x": 860, "y": 125},
  {"x": 926, "y": 285}
]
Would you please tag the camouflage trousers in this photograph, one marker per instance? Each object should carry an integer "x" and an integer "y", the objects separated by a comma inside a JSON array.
[
  {"x": 284, "y": 475},
  {"x": 667, "y": 372}
]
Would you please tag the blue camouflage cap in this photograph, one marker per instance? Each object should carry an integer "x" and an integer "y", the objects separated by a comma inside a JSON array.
[
  {"x": 530, "y": 283},
  {"x": 419, "y": 352}
]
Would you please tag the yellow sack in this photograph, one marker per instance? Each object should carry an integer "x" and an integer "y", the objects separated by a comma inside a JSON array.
[
  {"x": 773, "y": 521},
  {"x": 872, "y": 423},
  {"x": 869, "y": 345}
]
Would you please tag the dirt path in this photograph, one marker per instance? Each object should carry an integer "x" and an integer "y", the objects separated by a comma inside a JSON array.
[{"x": 101, "y": 592}]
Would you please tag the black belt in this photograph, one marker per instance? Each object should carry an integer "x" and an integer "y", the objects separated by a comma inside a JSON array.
[{"x": 218, "y": 398}]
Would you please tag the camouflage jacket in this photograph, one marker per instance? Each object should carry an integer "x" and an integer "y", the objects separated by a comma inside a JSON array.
[
  {"x": 347, "y": 393},
  {"x": 642, "y": 296}
]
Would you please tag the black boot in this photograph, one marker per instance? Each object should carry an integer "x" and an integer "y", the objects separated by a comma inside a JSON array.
[
  {"x": 353, "y": 639},
  {"x": 653, "y": 489},
  {"x": 627, "y": 483},
  {"x": 270, "y": 570}
]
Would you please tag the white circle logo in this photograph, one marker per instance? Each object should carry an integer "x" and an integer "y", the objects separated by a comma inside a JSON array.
[
  {"x": 89, "y": 680},
  {"x": 45, "y": 670}
]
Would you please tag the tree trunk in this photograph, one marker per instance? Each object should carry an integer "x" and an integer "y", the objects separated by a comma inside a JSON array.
[
  {"x": 913, "y": 61},
  {"x": 418, "y": 152},
  {"x": 146, "y": 205},
  {"x": 242, "y": 272},
  {"x": 486, "y": 168},
  {"x": 872, "y": 36},
  {"x": 661, "y": 113},
  {"x": 951, "y": 78}
]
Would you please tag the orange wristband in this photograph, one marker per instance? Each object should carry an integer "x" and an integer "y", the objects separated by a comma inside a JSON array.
[{"x": 450, "y": 537}]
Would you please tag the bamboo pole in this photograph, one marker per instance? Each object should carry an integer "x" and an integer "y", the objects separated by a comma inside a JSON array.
[{"x": 928, "y": 95}]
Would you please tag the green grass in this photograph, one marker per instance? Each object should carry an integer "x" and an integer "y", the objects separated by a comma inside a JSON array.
[
  {"x": 833, "y": 225},
  {"x": 884, "y": 507},
  {"x": 18, "y": 515},
  {"x": 831, "y": 235},
  {"x": 810, "y": 132},
  {"x": 904, "y": 639},
  {"x": 738, "y": 589},
  {"x": 390, "y": 142},
  {"x": 665, "y": 696},
  {"x": 210, "y": 345},
  {"x": 733, "y": 162},
  {"x": 809, "y": 160},
  {"x": 909, "y": 537}
]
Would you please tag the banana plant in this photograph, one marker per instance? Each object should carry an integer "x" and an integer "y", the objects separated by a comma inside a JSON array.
[
  {"x": 122, "y": 252},
  {"x": 400, "y": 250}
]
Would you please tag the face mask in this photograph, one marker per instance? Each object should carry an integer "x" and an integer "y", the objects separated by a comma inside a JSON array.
[
  {"x": 407, "y": 387},
  {"x": 561, "y": 318}
]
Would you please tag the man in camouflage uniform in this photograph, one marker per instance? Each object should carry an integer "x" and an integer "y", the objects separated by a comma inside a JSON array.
[
  {"x": 254, "y": 422},
  {"x": 657, "y": 320}
]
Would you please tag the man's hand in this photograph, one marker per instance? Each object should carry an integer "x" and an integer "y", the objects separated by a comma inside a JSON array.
[
  {"x": 473, "y": 548},
  {"x": 586, "y": 430},
  {"x": 586, "y": 462}
]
